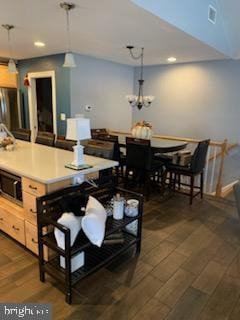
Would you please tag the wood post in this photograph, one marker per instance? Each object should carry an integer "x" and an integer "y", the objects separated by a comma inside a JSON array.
[{"x": 220, "y": 173}]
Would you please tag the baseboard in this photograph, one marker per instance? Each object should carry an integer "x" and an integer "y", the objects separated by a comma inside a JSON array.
[{"x": 226, "y": 190}]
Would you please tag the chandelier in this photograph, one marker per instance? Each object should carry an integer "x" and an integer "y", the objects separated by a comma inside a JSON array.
[{"x": 140, "y": 100}]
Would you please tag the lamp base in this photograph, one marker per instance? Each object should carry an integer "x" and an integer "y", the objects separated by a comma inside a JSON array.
[
  {"x": 81, "y": 167},
  {"x": 78, "y": 155}
]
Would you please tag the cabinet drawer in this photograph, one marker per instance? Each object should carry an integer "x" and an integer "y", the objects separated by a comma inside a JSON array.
[
  {"x": 15, "y": 227},
  {"x": 30, "y": 206},
  {"x": 32, "y": 239},
  {"x": 35, "y": 188},
  {"x": 3, "y": 220}
]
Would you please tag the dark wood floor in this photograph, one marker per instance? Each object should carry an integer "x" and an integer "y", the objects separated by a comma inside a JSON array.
[{"x": 189, "y": 268}]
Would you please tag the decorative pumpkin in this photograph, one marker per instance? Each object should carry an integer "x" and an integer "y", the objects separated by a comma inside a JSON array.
[{"x": 142, "y": 130}]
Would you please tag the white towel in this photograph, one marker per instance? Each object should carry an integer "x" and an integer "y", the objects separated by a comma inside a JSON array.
[
  {"x": 93, "y": 223},
  {"x": 69, "y": 220}
]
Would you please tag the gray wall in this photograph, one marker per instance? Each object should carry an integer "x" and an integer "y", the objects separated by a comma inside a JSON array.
[
  {"x": 53, "y": 62},
  {"x": 196, "y": 100},
  {"x": 103, "y": 85},
  {"x": 192, "y": 17}
]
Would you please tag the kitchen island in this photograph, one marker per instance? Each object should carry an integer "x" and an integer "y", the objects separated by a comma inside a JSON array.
[{"x": 42, "y": 170}]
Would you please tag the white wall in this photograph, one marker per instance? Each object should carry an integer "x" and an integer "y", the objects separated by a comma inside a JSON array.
[
  {"x": 104, "y": 85},
  {"x": 196, "y": 100}
]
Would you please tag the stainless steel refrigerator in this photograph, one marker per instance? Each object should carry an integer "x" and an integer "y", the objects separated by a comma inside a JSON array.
[{"x": 9, "y": 108}]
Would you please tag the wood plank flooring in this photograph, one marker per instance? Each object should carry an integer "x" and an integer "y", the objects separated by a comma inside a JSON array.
[{"x": 188, "y": 269}]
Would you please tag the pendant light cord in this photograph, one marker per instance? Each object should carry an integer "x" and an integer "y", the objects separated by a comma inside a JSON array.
[
  {"x": 68, "y": 31},
  {"x": 9, "y": 43},
  {"x": 137, "y": 57}
]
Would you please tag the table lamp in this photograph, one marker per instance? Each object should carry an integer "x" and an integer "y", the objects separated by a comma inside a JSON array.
[{"x": 78, "y": 129}]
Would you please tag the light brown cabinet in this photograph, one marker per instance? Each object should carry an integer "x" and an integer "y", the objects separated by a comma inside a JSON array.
[
  {"x": 21, "y": 222},
  {"x": 12, "y": 220}
]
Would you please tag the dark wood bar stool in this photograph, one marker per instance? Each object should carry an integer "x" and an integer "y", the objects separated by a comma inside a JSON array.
[
  {"x": 102, "y": 149},
  {"x": 195, "y": 168},
  {"x": 117, "y": 154},
  {"x": 46, "y": 138},
  {"x": 141, "y": 167},
  {"x": 63, "y": 143},
  {"x": 22, "y": 134},
  {"x": 96, "y": 132}
]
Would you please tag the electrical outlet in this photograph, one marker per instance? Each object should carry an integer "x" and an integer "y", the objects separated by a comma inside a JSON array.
[
  {"x": 78, "y": 179},
  {"x": 63, "y": 116}
]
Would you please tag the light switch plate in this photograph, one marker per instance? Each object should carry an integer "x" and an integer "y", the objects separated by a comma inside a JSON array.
[{"x": 63, "y": 116}]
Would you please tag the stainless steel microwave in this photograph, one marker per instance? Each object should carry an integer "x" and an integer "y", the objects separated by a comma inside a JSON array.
[{"x": 11, "y": 186}]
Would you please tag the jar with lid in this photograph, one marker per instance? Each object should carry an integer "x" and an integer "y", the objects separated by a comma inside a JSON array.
[{"x": 118, "y": 207}]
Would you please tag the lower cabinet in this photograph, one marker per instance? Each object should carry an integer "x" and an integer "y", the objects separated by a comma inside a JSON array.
[
  {"x": 29, "y": 203},
  {"x": 12, "y": 220},
  {"x": 16, "y": 228},
  {"x": 31, "y": 232},
  {"x": 31, "y": 237},
  {"x": 3, "y": 220}
]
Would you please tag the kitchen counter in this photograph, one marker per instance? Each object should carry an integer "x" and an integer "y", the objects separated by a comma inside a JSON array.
[
  {"x": 42, "y": 171},
  {"x": 46, "y": 164}
]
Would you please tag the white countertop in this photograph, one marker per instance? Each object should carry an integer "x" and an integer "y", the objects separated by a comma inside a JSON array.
[{"x": 46, "y": 164}]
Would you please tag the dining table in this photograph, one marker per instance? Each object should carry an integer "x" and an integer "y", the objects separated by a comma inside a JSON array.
[{"x": 159, "y": 145}]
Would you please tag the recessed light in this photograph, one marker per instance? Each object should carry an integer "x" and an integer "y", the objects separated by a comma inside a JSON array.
[
  {"x": 171, "y": 59},
  {"x": 39, "y": 44}
]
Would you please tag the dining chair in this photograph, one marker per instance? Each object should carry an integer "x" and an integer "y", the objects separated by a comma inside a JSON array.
[
  {"x": 192, "y": 170},
  {"x": 141, "y": 167},
  {"x": 96, "y": 132},
  {"x": 102, "y": 149},
  {"x": 117, "y": 154},
  {"x": 63, "y": 143},
  {"x": 22, "y": 134},
  {"x": 46, "y": 138},
  {"x": 236, "y": 191}
]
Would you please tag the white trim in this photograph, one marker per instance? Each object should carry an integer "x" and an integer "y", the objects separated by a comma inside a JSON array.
[
  {"x": 32, "y": 103},
  {"x": 226, "y": 189}
]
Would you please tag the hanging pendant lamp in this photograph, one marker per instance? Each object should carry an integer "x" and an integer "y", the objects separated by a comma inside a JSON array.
[
  {"x": 139, "y": 100},
  {"x": 11, "y": 64},
  {"x": 69, "y": 61}
]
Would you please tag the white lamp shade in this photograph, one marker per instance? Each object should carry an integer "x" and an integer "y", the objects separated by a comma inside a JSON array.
[
  {"x": 69, "y": 61},
  {"x": 78, "y": 129},
  {"x": 12, "y": 66}
]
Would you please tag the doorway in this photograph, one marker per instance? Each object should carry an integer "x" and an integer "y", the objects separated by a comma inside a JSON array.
[{"x": 42, "y": 102}]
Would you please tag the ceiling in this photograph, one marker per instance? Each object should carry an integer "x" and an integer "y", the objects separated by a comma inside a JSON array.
[{"x": 100, "y": 29}]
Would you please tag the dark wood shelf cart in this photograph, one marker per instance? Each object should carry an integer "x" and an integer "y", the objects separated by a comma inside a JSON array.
[{"x": 95, "y": 257}]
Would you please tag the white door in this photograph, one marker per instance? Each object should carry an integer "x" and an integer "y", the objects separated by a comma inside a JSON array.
[{"x": 42, "y": 102}]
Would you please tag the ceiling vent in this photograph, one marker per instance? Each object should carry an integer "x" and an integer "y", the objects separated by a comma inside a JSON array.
[{"x": 212, "y": 14}]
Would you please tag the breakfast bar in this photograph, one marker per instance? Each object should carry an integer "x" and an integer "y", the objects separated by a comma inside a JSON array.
[{"x": 40, "y": 170}]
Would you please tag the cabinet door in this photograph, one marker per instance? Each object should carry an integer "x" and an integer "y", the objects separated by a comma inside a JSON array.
[
  {"x": 3, "y": 220},
  {"x": 15, "y": 227},
  {"x": 30, "y": 206},
  {"x": 32, "y": 239}
]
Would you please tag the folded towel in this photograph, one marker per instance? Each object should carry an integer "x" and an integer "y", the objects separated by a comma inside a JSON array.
[
  {"x": 69, "y": 220},
  {"x": 93, "y": 223}
]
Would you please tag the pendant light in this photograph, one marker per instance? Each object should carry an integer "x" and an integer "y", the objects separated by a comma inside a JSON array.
[
  {"x": 11, "y": 64},
  {"x": 139, "y": 100},
  {"x": 69, "y": 61}
]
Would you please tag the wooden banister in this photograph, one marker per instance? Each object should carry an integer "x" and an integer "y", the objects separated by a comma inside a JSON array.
[
  {"x": 224, "y": 147},
  {"x": 220, "y": 172}
]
